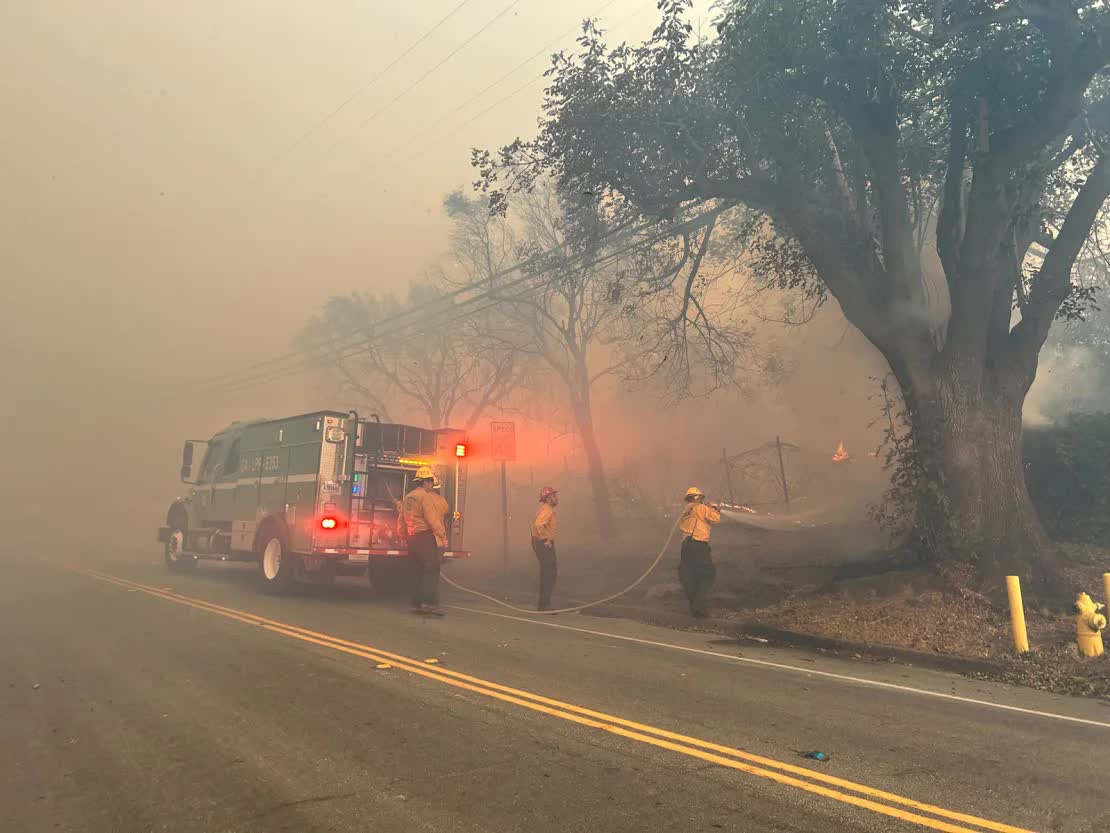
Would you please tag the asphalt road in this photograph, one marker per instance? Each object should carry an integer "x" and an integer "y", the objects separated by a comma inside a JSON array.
[{"x": 194, "y": 703}]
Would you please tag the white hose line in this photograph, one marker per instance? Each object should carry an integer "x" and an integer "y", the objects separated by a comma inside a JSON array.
[{"x": 644, "y": 575}]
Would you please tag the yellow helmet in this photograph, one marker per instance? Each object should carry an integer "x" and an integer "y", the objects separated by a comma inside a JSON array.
[
  {"x": 694, "y": 492},
  {"x": 424, "y": 473}
]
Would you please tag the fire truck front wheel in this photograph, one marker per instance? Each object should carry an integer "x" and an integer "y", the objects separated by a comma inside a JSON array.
[
  {"x": 176, "y": 557},
  {"x": 277, "y": 567}
]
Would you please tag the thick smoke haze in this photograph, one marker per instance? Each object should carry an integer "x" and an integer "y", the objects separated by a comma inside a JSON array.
[{"x": 178, "y": 203}]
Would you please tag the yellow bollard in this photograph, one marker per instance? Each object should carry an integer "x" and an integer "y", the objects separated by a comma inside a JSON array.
[
  {"x": 1106, "y": 586},
  {"x": 1089, "y": 624},
  {"x": 1017, "y": 614}
]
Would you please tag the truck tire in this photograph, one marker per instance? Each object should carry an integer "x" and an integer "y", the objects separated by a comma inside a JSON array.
[
  {"x": 177, "y": 559},
  {"x": 389, "y": 576},
  {"x": 277, "y": 567}
]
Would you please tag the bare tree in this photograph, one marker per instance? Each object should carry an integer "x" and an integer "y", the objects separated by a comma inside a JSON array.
[
  {"x": 556, "y": 316},
  {"x": 435, "y": 366}
]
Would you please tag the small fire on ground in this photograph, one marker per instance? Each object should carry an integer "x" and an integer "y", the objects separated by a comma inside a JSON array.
[{"x": 841, "y": 455}]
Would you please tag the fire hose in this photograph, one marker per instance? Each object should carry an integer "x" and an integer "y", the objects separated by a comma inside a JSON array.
[{"x": 575, "y": 609}]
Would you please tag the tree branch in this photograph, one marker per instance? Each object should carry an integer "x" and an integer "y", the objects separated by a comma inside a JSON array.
[
  {"x": 687, "y": 293},
  {"x": 942, "y": 34},
  {"x": 950, "y": 220},
  {"x": 1074, "y": 146},
  {"x": 372, "y": 399},
  {"x": 836, "y": 172},
  {"x": 502, "y": 380},
  {"x": 1053, "y": 280},
  {"x": 1076, "y": 60}
]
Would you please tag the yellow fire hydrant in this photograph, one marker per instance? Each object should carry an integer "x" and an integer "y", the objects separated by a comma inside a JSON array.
[{"x": 1089, "y": 624}]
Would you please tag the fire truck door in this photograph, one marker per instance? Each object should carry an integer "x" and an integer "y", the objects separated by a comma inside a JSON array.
[
  {"x": 202, "y": 493},
  {"x": 272, "y": 484},
  {"x": 245, "y": 522}
]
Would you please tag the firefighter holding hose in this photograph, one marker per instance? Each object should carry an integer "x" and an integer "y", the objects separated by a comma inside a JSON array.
[
  {"x": 424, "y": 511},
  {"x": 695, "y": 570}
]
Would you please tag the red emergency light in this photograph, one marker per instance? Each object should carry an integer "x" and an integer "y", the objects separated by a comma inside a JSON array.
[
  {"x": 460, "y": 450},
  {"x": 329, "y": 523}
]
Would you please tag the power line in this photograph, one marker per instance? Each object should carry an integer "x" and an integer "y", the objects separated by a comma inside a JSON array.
[
  {"x": 503, "y": 99},
  {"x": 374, "y": 115},
  {"x": 407, "y": 144},
  {"x": 408, "y": 50},
  {"x": 381, "y": 329},
  {"x": 471, "y": 120},
  {"x": 454, "y": 293},
  {"x": 495, "y": 296},
  {"x": 542, "y": 51},
  {"x": 413, "y": 150},
  {"x": 263, "y": 371}
]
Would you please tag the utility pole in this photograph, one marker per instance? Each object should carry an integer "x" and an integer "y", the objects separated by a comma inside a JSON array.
[
  {"x": 728, "y": 475},
  {"x": 504, "y": 526},
  {"x": 782, "y": 472},
  {"x": 503, "y": 449}
]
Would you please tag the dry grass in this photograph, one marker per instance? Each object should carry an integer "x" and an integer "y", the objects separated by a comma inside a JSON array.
[{"x": 950, "y": 618}]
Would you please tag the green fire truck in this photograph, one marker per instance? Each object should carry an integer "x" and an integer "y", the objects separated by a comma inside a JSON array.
[{"x": 310, "y": 497}]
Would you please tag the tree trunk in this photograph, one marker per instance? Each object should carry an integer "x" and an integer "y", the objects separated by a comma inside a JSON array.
[
  {"x": 599, "y": 484},
  {"x": 968, "y": 435}
]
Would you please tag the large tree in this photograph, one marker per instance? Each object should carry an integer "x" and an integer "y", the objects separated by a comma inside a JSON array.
[{"x": 904, "y": 156}]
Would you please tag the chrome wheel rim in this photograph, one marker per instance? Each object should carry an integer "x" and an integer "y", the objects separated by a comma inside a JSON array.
[
  {"x": 175, "y": 545},
  {"x": 271, "y": 559}
]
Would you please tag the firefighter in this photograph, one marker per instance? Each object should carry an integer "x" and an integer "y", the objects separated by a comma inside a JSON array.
[
  {"x": 543, "y": 544},
  {"x": 696, "y": 570},
  {"x": 424, "y": 511}
]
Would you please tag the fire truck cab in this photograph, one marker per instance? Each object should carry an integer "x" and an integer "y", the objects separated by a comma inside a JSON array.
[{"x": 310, "y": 497}]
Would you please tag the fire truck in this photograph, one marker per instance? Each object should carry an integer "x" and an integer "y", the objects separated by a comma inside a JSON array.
[{"x": 310, "y": 497}]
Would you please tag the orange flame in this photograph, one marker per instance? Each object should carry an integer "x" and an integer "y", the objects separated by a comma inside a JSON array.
[{"x": 841, "y": 455}]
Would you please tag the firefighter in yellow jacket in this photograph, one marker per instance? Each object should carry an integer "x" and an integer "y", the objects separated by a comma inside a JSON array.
[
  {"x": 424, "y": 511},
  {"x": 543, "y": 544},
  {"x": 696, "y": 570}
]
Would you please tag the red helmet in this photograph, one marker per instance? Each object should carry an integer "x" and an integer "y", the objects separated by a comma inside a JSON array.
[{"x": 546, "y": 492}]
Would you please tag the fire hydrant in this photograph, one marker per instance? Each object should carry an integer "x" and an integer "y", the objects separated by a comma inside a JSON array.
[{"x": 1089, "y": 624}]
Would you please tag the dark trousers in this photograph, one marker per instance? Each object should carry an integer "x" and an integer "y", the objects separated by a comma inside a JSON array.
[
  {"x": 426, "y": 556},
  {"x": 549, "y": 569},
  {"x": 696, "y": 572}
]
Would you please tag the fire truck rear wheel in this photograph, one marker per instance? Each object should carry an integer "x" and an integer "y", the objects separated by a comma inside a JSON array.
[
  {"x": 277, "y": 567},
  {"x": 176, "y": 558}
]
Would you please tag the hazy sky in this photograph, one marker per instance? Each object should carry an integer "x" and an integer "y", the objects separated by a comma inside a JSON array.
[
  {"x": 159, "y": 202},
  {"x": 177, "y": 202}
]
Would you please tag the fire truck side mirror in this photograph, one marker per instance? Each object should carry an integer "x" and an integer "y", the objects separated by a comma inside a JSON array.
[{"x": 187, "y": 462}]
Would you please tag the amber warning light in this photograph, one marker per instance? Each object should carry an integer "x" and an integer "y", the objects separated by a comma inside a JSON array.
[{"x": 460, "y": 450}]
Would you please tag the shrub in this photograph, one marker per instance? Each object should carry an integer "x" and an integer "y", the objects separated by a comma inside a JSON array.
[{"x": 1067, "y": 471}]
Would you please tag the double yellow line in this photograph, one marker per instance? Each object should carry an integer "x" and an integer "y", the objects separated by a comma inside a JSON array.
[{"x": 818, "y": 783}]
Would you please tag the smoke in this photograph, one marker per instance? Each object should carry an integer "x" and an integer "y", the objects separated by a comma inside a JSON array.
[
  {"x": 165, "y": 226},
  {"x": 1069, "y": 379}
]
